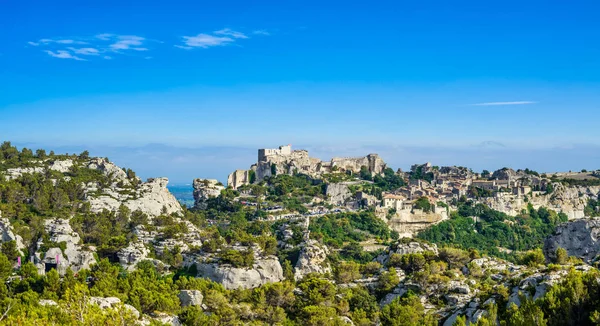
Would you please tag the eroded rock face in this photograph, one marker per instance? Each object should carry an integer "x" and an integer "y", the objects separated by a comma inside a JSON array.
[
  {"x": 73, "y": 257},
  {"x": 504, "y": 174},
  {"x": 131, "y": 255},
  {"x": 61, "y": 166},
  {"x": 205, "y": 189},
  {"x": 580, "y": 238},
  {"x": 401, "y": 248},
  {"x": 107, "y": 168},
  {"x": 190, "y": 298},
  {"x": 113, "y": 302},
  {"x": 265, "y": 270},
  {"x": 7, "y": 234},
  {"x": 337, "y": 193},
  {"x": 150, "y": 198},
  {"x": 312, "y": 259}
]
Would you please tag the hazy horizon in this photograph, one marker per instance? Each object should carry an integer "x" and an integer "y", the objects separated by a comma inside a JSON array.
[{"x": 183, "y": 164}]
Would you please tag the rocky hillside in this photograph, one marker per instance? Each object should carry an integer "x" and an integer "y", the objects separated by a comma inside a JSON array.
[{"x": 85, "y": 242}]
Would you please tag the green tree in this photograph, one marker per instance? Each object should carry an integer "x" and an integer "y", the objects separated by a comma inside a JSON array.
[{"x": 406, "y": 311}]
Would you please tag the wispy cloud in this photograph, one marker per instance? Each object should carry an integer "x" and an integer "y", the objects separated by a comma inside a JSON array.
[
  {"x": 84, "y": 51},
  {"x": 63, "y": 55},
  {"x": 261, "y": 32},
  {"x": 104, "y": 46},
  {"x": 232, "y": 33},
  {"x": 204, "y": 41},
  {"x": 504, "y": 103},
  {"x": 222, "y": 37},
  {"x": 128, "y": 42}
]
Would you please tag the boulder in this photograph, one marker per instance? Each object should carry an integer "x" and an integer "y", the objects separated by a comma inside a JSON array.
[
  {"x": 170, "y": 320},
  {"x": 44, "y": 302},
  {"x": 265, "y": 270},
  {"x": 312, "y": 259},
  {"x": 205, "y": 189},
  {"x": 580, "y": 238},
  {"x": 113, "y": 302},
  {"x": 190, "y": 298},
  {"x": 61, "y": 166}
]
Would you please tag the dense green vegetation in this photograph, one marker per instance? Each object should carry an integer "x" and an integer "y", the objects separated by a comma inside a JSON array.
[
  {"x": 337, "y": 229},
  {"x": 479, "y": 227}
]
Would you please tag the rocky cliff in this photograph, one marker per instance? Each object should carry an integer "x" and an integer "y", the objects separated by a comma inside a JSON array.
[
  {"x": 568, "y": 200},
  {"x": 205, "y": 189},
  {"x": 264, "y": 270}
]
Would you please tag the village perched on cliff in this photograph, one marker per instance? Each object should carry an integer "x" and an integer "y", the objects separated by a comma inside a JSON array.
[
  {"x": 294, "y": 240},
  {"x": 416, "y": 199}
]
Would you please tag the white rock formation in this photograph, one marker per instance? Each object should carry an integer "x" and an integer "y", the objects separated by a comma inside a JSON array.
[
  {"x": 61, "y": 166},
  {"x": 205, "y": 189},
  {"x": 7, "y": 234},
  {"x": 312, "y": 259},
  {"x": 190, "y": 298},
  {"x": 113, "y": 302},
  {"x": 150, "y": 198},
  {"x": 265, "y": 270},
  {"x": 338, "y": 193},
  {"x": 75, "y": 258},
  {"x": 131, "y": 255}
]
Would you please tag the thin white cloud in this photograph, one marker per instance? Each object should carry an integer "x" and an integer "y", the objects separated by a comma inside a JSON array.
[
  {"x": 85, "y": 51},
  {"x": 206, "y": 40},
  {"x": 61, "y": 54},
  {"x": 222, "y": 37},
  {"x": 261, "y": 32},
  {"x": 126, "y": 42},
  {"x": 504, "y": 103},
  {"x": 229, "y": 32},
  {"x": 104, "y": 36},
  {"x": 101, "y": 45}
]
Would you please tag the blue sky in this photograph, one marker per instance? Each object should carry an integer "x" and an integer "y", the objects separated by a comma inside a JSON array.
[{"x": 191, "y": 89}]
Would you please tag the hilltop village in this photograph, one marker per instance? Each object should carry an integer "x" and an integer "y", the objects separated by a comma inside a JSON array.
[
  {"x": 408, "y": 201},
  {"x": 295, "y": 240}
]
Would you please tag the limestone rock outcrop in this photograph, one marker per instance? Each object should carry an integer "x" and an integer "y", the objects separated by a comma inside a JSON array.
[
  {"x": 113, "y": 302},
  {"x": 264, "y": 270},
  {"x": 404, "y": 248},
  {"x": 205, "y": 189},
  {"x": 312, "y": 259},
  {"x": 190, "y": 298},
  {"x": 131, "y": 255},
  {"x": 7, "y": 234},
  {"x": 73, "y": 256},
  {"x": 580, "y": 238},
  {"x": 150, "y": 198},
  {"x": 337, "y": 193}
]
